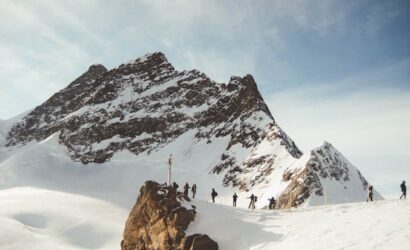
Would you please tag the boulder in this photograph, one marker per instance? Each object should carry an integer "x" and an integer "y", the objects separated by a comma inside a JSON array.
[{"x": 159, "y": 221}]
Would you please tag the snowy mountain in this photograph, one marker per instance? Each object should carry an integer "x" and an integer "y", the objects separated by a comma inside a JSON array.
[
  {"x": 221, "y": 135},
  {"x": 324, "y": 176}
]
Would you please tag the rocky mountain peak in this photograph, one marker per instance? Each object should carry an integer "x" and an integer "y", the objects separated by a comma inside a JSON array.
[
  {"x": 94, "y": 71},
  {"x": 153, "y": 58},
  {"x": 36, "y": 125},
  {"x": 97, "y": 68},
  {"x": 149, "y": 60},
  {"x": 309, "y": 179},
  {"x": 146, "y": 105},
  {"x": 151, "y": 67},
  {"x": 249, "y": 93},
  {"x": 326, "y": 144}
]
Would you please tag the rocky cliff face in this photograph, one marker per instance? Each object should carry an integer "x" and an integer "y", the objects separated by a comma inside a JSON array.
[
  {"x": 45, "y": 119},
  {"x": 158, "y": 221},
  {"x": 146, "y": 106},
  {"x": 321, "y": 177}
]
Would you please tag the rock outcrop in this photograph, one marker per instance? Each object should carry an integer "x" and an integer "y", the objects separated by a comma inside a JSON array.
[{"x": 158, "y": 221}]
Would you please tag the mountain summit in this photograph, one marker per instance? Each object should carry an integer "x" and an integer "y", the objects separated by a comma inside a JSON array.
[{"x": 222, "y": 132}]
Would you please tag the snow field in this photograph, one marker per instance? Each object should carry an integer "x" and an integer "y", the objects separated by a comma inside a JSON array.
[
  {"x": 32, "y": 218},
  {"x": 47, "y": 201},
  {"x": 376, "y": 225}
]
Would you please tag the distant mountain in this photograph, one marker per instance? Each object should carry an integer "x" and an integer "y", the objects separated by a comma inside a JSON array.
[
  {"x": 324, "y": 176},
  {"x": 219, "y": 131}
]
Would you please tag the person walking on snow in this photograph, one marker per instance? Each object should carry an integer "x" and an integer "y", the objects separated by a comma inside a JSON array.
[
  {"x": 193, "y": 189},
  {"x": 252, "y": 201},
  {"x": 186, "y": 189},
  {"x": 213, "y": 194},
  {"x": 403, "y": 190},
  {"x": 370, "y": 193},
  {"x": 272, "y": 203},
  {"x": 234, "y": 197}
]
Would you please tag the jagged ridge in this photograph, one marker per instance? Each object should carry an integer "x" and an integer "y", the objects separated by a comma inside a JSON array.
[
  {"x": 145, "y": 105},
  {"x": 309, "y": 180}
]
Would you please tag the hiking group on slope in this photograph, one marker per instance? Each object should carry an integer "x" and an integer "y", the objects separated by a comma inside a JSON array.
[
  {"x": 186, "y": 189},
  {"x": 272, "y": 201}
]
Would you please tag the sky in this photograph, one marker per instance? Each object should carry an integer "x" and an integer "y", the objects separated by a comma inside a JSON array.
[{"x": 329, "y": 70}]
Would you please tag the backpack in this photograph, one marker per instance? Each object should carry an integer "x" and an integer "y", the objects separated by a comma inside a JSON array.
[{"x": 256, "y": 198}]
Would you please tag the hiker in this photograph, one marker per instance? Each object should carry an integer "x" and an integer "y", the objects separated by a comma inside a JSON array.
[
  {"x": 186, "y": 189},
  {"x": 252, "y": 202},
  {"x": 213, "y": 194},
  {"x": 193, "y": 189},
  {"x": 403, "y": 190},
  {"x": 272, "y": 203},
  {"x": 234, "y": 197},
  {"x": 175, "y": 185},
  {"x": 169, "y": 169},
  {"x": 370, "y": 193}
]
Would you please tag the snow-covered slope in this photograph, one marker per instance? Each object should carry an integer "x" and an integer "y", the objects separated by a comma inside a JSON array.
[
  {"x": 377, "y": 225},
  {"x": 5, "y": 126},
  {"x": 221, "y": 135},
  {"x": 33, "y": 218}
]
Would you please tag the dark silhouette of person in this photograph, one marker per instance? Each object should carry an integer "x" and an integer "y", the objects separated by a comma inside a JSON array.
[
  {"x": 272, "y": 203},
  {"x": 235, "y": 198},
  {"x": 252, "y": 202},
  {"x": 213, "y": 194},
  {"x": 175, "y": 185},
  {"x": 403, "y": 190},
  {"x": 370, "y": 193},
  {"x": 186, "y": 189},
  {"x": 193, "y": 189}
]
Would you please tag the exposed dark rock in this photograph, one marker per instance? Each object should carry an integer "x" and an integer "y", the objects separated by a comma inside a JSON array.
[
  {"x": 199, "y": 242},
  {"x": 158, "y": 221},
  {"x": 121, "y": 108},
  {"x": 324, "y": 162},
  {"x": 45, "y": 119}
]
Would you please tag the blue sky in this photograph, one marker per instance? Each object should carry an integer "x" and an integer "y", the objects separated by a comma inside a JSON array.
[{"x": 329, "y": 70}]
